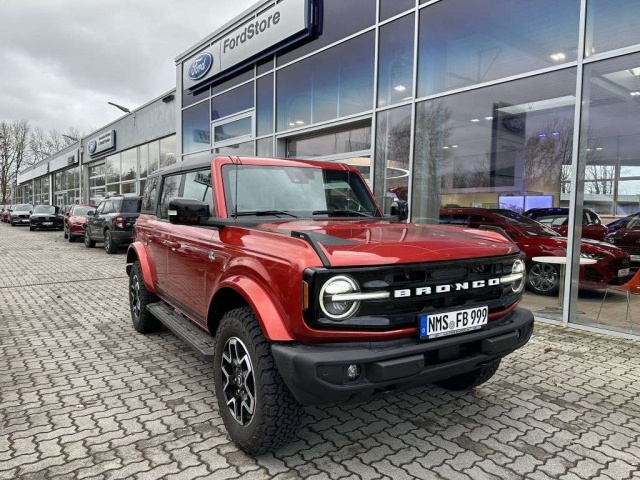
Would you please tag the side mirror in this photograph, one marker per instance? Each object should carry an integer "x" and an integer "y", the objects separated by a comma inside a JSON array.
[
  {"x": 187, "y": 211},
  {"x": 90, "y": 213},
  {"x": 400, "y": 209}
]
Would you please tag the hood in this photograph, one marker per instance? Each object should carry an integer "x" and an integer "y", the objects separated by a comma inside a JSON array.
[
  {"x": 587, "y": 245},
  {"x": 363, "y": 242}
]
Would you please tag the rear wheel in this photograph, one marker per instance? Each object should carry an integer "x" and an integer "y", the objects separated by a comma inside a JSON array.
[
  {"x": 258, "y": 410},
  {"x": 471, "y": 379},
  {"x": 139, "y": 298},
  {"x": 31, "y": 229},
  {"x": 65, "y": 234},
  {"x": 543, "y": 278},
  {"x": 110, "y": 246},
  {"x": 87, "y": 240}
]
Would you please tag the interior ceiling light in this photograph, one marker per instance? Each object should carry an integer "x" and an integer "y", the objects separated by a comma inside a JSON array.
[
  {"x": 488, "y": 118},
  {"x": 399, "y": 88},
  {"x": 540, "y": 105},
  {"x": 445, "y": 147},
  {"x": 599, "y": 149},
  {"x": 475, "y": 120},
  {"x": 635, "y": 93},
  {"x": 299, "y": 122},
  {"x": 556, "y": 57},
  {"x": 635, "y": 71}
]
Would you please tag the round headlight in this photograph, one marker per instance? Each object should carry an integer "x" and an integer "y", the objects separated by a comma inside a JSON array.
[
  {"x": 338, "y": 285},
  {"x": 518, "y": 267}
]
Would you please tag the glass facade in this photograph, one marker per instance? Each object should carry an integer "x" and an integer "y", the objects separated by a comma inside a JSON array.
[{"x": 477, "y": 114}]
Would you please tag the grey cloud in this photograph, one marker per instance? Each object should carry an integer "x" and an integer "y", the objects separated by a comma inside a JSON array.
[{"x": 62, "y": 60}]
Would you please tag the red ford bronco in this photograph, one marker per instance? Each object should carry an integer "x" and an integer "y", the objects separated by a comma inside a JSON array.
[{"x": 286, "y": 275}]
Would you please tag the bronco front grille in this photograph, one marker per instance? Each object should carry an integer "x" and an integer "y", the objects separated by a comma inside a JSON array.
[{"x": 398, "y": 311}]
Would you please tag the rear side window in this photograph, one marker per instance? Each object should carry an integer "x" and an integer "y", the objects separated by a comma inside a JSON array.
[
  {"x": 150, "y": 195},
  {"x": 170, "y": 189},
  {"x": 131, "y": 205}
]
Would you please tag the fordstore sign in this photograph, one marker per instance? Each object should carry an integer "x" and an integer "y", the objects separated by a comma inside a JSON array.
[{"x": 273, "y": 29}]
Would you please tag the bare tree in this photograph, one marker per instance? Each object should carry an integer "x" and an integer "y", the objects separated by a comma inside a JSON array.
[
  {"x": 43, "y": 144},
  {"x": 13, "y": 151}
]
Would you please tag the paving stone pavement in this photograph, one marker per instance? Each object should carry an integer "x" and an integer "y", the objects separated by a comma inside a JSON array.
[{"x": 82, "y": 395}]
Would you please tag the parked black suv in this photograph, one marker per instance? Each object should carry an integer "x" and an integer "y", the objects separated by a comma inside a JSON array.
[
  {"x": 46, "y": 216},
  {"x": 112, "y": 222},
  {"x": 20, "y": 213}
]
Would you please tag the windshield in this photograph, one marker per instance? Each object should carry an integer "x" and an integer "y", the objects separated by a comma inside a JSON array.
[
  {"x": 526, "y": 224},
  {"x": 295, "y": 191},
  {"x": 23, "y": 207},
  {"x": 82, "y": 211},
  {"x": 45, "y": 209}
]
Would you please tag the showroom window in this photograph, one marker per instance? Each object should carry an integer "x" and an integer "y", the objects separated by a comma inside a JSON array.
[
  {"x": 264, "y": 105},
  {"x": 332, "y": 84},
  {"x": 195, "y": 128},
  {"x": 340, "y": 19},
  {"x": 231, "y": 102},
  {"x": 393, "y": 140},
  {"x": 466, "y": 42},
  {"x": 610, "y": 182},
  {"x": 395, "y": 63},
  {"x": 390, "y": 8},
  {"x": 611, "y": 25}
]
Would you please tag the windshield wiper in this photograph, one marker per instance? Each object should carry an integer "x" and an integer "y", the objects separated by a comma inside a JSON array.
[
  {"x": 337, "y": 211},
  {"x": 263, "y": 213}
]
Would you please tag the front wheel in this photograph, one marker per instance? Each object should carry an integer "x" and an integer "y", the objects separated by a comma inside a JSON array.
[
  {"x": 139, "y": 298},
  {"x": 110, "y": 246},
  {"x": 87, "y": 240},
  {"x": 543, "y": 278},
  {"x": 471, "y": 379},
  {"x": 65, "y": 234},
  {"x": 258, "y": 410},
  {"x": 31, "y": 229}
]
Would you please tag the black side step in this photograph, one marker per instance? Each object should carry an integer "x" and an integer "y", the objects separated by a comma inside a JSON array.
[{"x": 184, "y": 329}]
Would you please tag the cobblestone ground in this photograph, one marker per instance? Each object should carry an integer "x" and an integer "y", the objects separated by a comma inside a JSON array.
[{"x": 84, "y": 396}]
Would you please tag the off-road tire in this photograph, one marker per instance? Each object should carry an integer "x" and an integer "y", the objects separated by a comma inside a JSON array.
[
  {"x": 87, "y": 240},
  {"x": 471, "y": 379},
  {"x": 143, "y": 322},
  {"x": 68, "y": 236},
  {"x": 64, "y": 234},
  {"x": 31, "y": 229},
  {"x": 110, "y": 246},
  {"x": 13, "y": 224},
  {"x": 277, "y": 415}
]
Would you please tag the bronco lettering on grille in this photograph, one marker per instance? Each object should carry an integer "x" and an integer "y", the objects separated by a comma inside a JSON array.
[{"x": 450, "y": 287}]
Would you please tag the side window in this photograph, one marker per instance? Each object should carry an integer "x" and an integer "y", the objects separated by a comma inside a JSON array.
[
  {"x": 458, "y": 220},
  {"x": 150, "y": 195},
  {"x": 170, "y": 189},
  {"x": 108, "y": 207},
  {"x": 100, "y": 208},
  {"x": 197, "y": 185}
]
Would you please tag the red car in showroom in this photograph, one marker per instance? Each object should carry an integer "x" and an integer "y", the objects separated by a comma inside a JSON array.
[
  {"x": 74, "y": 221},
  {"x": 628, "y": 238},
  {"x": 557, "y": 218},
  {"x": 535, "y": 239}
]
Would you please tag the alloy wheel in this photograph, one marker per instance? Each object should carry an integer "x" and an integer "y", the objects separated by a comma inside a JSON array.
[
  {"x": 239, "y": 382},
  {"x": 134, "y": 292},
  {"x": 543, "y": 277}
]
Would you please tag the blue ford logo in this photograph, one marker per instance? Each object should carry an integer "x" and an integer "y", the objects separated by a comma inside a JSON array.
[
  {"x": 92, "y": 146},
  {"x": 200, "y": 66}
]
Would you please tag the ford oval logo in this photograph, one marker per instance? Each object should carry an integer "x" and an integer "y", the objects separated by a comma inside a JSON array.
[
  {"x": 92, "y": 146},
  {"x": 200, "y": 66}
]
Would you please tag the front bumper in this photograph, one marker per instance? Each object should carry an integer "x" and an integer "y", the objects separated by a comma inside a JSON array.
[
  {"x": 44, "y": 225},
  {"x": 316, "y": 374},
  {"x": 76, "y": 229}
]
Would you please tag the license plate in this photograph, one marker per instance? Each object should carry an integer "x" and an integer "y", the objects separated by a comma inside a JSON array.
[
  {"x": 46, "y": 224},
  {"x": 25, "y": 220},
  {"x": 635, "y": 258},
  {"x": 623, "y": 272},
  {"x": 448, "y": 323}
]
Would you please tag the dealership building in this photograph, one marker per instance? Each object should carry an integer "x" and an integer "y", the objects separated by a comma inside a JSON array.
[{"x": 441, "y": 103}]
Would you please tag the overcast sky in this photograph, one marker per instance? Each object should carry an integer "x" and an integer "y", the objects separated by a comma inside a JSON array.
[{"x": 61, "y": 61}]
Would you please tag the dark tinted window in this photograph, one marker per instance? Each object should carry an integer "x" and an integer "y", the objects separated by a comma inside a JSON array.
[
  {"x": 131, "y": 205},
  {"x": 340, "y": 18},
  {"x": 150, "y": 195},
  {"x": 231, "y": 102}
]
